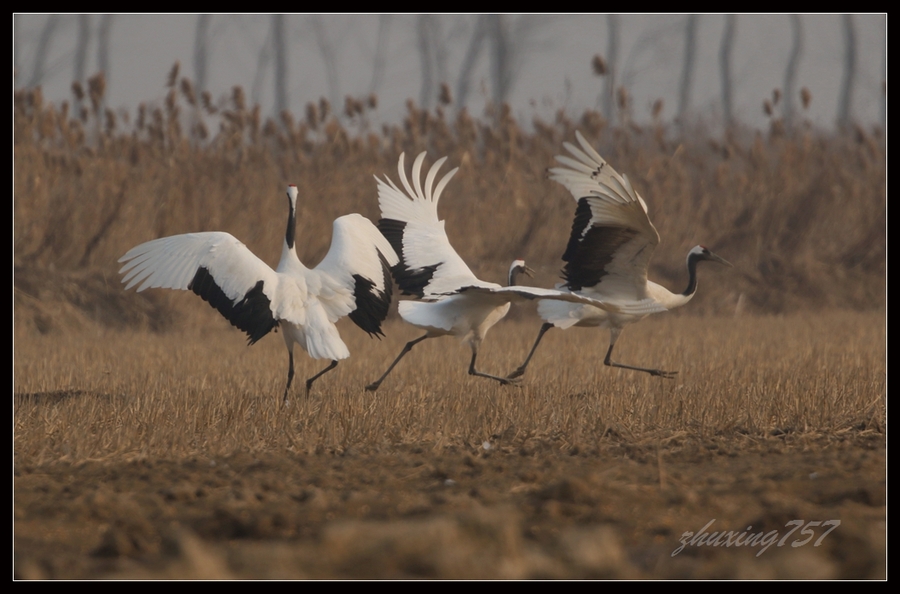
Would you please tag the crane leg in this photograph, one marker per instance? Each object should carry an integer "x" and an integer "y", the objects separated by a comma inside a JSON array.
[
  {"x": 520, "y": 371},
  {"x": 657, "y": 372},
  {"x": 472, "y": 371},
  {"x": 290, "y": 374},
  {"x": 310, "y": 381},
  {"x": 409, "y": 345}
]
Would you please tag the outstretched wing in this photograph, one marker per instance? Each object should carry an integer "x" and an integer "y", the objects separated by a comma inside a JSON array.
[
  {"x": 360, "y": 259},
  {"x": 215, "y": 266},
  {"x": 520, "y": 293},
  {"x": 612, "y": 237},
  {"x": 428, "y": 263}
]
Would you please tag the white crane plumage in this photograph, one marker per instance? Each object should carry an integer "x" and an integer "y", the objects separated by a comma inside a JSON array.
[
  {"x": 608, "y": 253},
  {"x": 452, "y": 300},
  {"x": 352, "y": 280}
]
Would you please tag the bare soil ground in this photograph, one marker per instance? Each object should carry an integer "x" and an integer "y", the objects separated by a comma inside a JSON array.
[
  {"x": 144, "y": 455},
  {"x": 509, "y": 512}
]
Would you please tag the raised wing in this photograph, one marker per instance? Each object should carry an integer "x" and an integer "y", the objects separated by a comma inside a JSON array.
[
  {"x": 612, "y": 238},
  {"x": 360, "y": 259},
  {"x": 518, "y": 293},
  {"x": 215, "y": 266},
  {"x": 428, "y": 263}
]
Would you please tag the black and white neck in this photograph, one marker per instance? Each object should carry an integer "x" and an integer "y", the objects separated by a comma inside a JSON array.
[
  {"x": 292, "y": 217},
  {"x": 695, "y": 256},
  {"x": 289, "y": 259}
]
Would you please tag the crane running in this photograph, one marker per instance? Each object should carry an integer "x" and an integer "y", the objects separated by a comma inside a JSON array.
[
  {"x": 451, "y": 299},
  {"x": 608, "y": 253}
]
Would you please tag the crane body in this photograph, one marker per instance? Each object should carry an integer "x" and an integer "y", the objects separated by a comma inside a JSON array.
[
  {"x": 352, "y": 280},
  {"x": 608, "y": 253}
]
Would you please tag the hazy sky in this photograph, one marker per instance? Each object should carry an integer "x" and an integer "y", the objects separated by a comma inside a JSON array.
[{"x": 550, "y": 60}]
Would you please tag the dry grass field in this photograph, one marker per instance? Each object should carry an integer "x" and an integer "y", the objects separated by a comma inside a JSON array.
[
  {"x": 151, "y": 442},
  {"x": 171, "y": 455}
]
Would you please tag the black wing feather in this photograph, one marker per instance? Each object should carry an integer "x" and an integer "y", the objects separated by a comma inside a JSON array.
[
  {"x": 411, "y": 281},
  {"x": 252, "y": 314},
  {"x": 591, "y": 248},
  {"x": 372, "y": 304}
]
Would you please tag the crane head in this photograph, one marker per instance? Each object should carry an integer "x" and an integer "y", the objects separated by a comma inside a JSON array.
[
  {"x": 701, "y": 252},
  {"x": 515, "y": 268},
  {"x": 292, "y": 195}
]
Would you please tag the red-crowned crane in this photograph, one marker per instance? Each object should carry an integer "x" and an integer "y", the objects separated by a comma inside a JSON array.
[
  {"x": 451, "y": 299},
  {"x": 609, "y": 250},
  {"x": 352, "y": 280}
]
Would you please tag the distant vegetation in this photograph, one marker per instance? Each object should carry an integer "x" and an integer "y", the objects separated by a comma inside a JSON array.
[{"x": 800, "y": 212}]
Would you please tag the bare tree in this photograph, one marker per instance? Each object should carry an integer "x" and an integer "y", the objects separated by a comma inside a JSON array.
[
  {"x": 427, "y": 27},
  {"x": 262, "y": 67},
  {"x": 81, "y": 46},
  {"x": 43, "y": 48},
  {"x": 501, "y": 56},
  {"x": 471, "y": 58},
  {"x": 509, "y": 40},
  {"x": 384, "y": 26},
  {"x": 440, "y": 51},
  {"x": 274, "y": 50},
  {"x": 845, "y": 106},
  {"x": 612, "y": 57},
  {"x": 725, "y": 51},
  {"x": 103, "y": 34},
  {"x": 687, "y": 72},
  {"x": 279, "y": 49},
  {"x": 790, "y": 74},
  {"x": 201, "y": 50},
  {"x": 329, "y": 59}
]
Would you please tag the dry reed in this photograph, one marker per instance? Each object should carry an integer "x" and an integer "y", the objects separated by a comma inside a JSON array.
[{"x": 801, "y": 215}]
